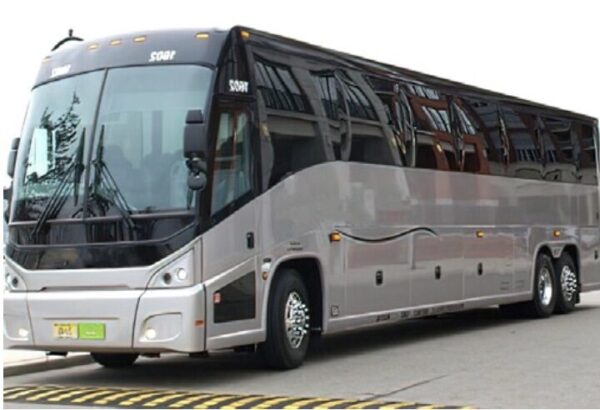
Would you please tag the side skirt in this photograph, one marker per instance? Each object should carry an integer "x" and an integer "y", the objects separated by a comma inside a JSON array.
[{"x": 385, "y": 317}]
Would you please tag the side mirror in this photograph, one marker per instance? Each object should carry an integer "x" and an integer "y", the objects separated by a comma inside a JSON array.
[
  {"x": 194, "y": 135},
  {"x": 194, "y": 149},
  {"x": 12, "y": 157}
]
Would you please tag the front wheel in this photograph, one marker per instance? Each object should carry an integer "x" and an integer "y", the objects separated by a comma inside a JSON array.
[
  {"x": 115, "y": 360},
  {"x": 288, "y": 322}
]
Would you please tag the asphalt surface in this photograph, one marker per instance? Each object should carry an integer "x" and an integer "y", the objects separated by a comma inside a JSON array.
[{"x": 474, "y": 358}]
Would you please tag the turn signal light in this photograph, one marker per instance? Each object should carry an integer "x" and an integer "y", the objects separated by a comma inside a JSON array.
[
  {"x": 335, "y": 237},
  {"x": 557, "y": 233},
  {"x": 480, "y": 234}
]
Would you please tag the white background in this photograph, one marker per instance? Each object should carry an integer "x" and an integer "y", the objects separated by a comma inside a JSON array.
[{"x": 545, "y": 51}]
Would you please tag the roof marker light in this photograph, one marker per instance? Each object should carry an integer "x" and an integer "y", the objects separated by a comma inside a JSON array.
[
  {"x": 202, "y": 36},
  {"x": 93, "y": 46},
  {"x": 245, "y": 34},
  {"x": 115, "y": 42},
  {"x": 139, "y": 39},
  {"x": 46, "y": 59}
]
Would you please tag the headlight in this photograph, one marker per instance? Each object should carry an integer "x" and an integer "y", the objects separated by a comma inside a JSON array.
[{"x": 176, "y": 275}]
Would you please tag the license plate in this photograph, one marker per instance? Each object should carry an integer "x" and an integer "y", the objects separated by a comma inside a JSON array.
[
  {"x": 65, "y": 331},
  {"x": 83, "y": 331}
]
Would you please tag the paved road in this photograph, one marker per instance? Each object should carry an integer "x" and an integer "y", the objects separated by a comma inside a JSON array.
[{"x": 474, "y": 358}]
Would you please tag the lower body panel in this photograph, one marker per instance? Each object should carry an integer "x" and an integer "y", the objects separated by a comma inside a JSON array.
[{"x": 175, "y": 316}]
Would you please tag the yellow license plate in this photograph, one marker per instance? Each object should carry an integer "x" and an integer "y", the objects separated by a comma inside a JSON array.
[{"x": 65, "y": 331}]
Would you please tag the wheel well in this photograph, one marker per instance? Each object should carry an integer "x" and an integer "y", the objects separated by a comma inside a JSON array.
[
  {"x": 570, "y": 249},
  {"x": 546, "y": 251},
  {"x": 310, "y": 271}
]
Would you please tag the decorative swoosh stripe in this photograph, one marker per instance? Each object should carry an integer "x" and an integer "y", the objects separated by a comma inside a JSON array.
[{"x": 391, "y": 237}]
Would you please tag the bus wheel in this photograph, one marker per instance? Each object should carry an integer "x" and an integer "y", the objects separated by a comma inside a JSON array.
[
  {"x": 566, "y": 276},
  {"x": 288, "y": 322},
  {"x": 545, "y": 292},
  {"x": 115, "y": 360}
]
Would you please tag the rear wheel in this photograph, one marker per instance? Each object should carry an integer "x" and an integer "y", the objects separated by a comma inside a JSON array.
[
  {"x": 545, "y": 291},
  {"x": 566, "y": 277},
  {"x": 115, "y": 360},
  {"x": 288, "y": 323}
]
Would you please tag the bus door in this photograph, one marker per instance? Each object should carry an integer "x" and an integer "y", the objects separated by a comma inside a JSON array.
[{"x": 230, "y": 248}]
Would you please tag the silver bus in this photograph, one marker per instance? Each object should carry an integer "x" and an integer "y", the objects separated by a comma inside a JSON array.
[{"x": 196, "y": 190}]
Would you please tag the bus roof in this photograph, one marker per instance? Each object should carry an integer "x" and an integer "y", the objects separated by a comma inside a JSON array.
[
  {"x": 376, "y": 67},
  {"x": 192, "y": 46},
  {"x": 203, "y": 46}
]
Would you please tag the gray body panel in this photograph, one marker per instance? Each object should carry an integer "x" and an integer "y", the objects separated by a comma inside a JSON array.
[
  {"x": 371, "y": 202},
  {"x": 402, "y": 222}
]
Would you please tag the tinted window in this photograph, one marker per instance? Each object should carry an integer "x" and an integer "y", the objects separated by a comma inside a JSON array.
[
  {"x": 434, "y": 137},
  {"x": 398, "y": 114},
  {"x": 327, "y": 89},
  {"x": 559, "y": 149},
  {"x": 279, "y": 89},
  {"x": 525, "y": 159},
  {"x": 486, "y": 120},
  {"x": 292, "y": 142},
  {"x": 587, "y": 155},
  {"x": 232, "y": 176},
  {"x": 358, "y": 103}
]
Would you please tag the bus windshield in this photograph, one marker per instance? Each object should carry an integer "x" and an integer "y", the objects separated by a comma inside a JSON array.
[{"x": 108, "y": 141}]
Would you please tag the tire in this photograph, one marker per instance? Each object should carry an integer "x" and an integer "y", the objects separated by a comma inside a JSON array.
[
  {"x": 545, "y": 291},
  {"x": 567, "y": 284},
  {"x": 288, "y": 293},
  {"x": 115, "y": 360}
]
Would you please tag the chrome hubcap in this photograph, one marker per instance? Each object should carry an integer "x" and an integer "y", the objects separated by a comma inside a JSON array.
[
  {"x": 296, "y": 319},
  {"x": 545, "y": 289},
  {"x": 568, "y": 283}
]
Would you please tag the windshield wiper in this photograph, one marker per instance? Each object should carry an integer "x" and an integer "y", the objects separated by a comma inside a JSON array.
[
  {"x": 59, "y": 196},
  {"x": 103, "y": 177}
]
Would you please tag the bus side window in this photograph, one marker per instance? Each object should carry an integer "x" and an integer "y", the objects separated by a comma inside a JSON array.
[
  {"x": 464, "y": 129},
  {"x": 279, "y": 89},
  {"x": 525, "y": 156},
  {"x": 398, "y": 114},
  {"x": 291, "y": 128},
  {"x": 559, "y": 149},
  {"x": 587, "y": 161},
  {"x": 486, "y": 119},
  {"x": 434, "y": 139},
  {"x": 370, "y": 143}
]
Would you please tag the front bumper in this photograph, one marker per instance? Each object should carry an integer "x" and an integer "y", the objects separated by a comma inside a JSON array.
[{"x": 176, "y": 316}]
